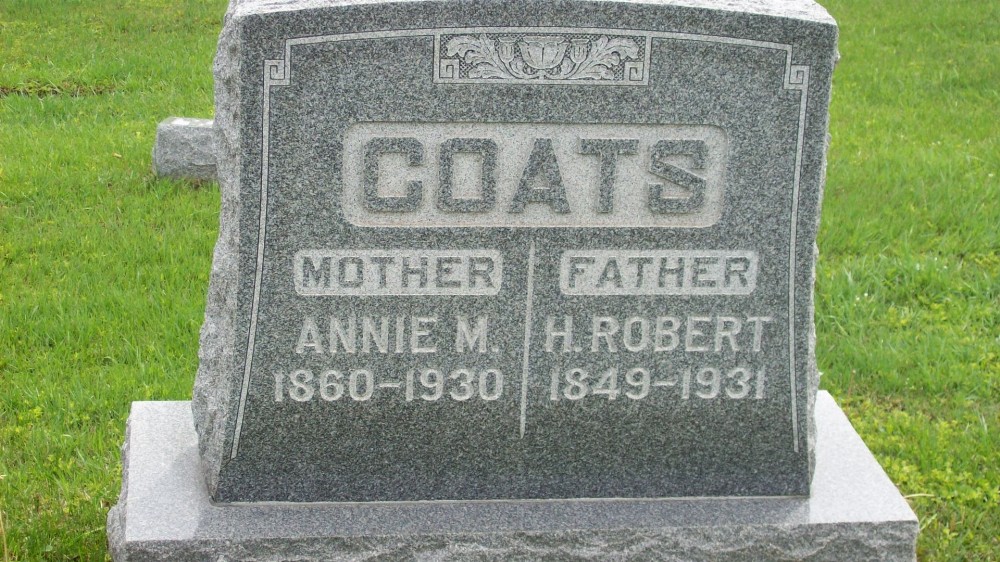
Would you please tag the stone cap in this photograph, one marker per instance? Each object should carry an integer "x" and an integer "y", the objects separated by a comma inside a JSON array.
[{"x": 806, "y": 10}]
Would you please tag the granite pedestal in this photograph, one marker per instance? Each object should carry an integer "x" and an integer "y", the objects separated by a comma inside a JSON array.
[{"x": 164, "y": 513}]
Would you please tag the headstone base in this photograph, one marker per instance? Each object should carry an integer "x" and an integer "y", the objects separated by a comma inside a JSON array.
[{"x": 164, "y": 513}]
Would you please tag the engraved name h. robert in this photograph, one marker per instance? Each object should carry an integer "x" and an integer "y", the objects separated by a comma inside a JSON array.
[{"x": 533, "y": 175}]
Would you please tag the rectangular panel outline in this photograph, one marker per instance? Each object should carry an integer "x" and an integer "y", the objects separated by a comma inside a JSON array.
[
  {"x": 495, "y": 255},
  {"x": 278, "y": 72},
  {"x": 628, "y": 291},
  {"x": 708, "y": 215}
]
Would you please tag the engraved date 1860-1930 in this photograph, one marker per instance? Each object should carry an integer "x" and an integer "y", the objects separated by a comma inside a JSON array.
[{"x": 362, "y": 385}]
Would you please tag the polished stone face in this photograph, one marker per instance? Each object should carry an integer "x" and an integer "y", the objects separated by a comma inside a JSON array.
[{"x": 514, "y": 250}]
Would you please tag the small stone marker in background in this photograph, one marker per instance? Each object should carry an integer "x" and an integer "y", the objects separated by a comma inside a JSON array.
[
  {"x": 513, "y": 251},
  {"x": 184, "y": 149}
]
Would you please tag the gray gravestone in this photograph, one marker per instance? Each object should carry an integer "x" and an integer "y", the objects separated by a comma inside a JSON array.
[
  {"x": 514, "y": 250},
  {"x": 519, "y": 250},
  {"x": 184, "y": 149}
]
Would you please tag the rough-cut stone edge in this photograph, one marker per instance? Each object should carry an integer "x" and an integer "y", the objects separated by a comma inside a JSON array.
[
  {"x": 216, "y": 352},
  {"x": 813, "y": 374},
  {"x": 116, "y": 515},
  {"x": 826, "y": 543},
  {"x": 796, "y": 9},
  {"x": 184, "y": 149},
  {"x": 170, "y": 516}
]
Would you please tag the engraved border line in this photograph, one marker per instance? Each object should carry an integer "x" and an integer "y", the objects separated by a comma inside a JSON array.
[
  {"x": 279, "y": 73},
  {"x": 527, "y": 337},
  {"x": 796, "y": 78},
  {"x": 275, "y": 74}
]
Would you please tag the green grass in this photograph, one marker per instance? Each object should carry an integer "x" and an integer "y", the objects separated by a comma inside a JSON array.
[
  {"x": 103, "y": 269},
  {"x": 908, "y": 284}
]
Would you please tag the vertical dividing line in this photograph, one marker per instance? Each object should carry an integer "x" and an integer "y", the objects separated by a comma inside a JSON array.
[{"x": 527, "y": 337}]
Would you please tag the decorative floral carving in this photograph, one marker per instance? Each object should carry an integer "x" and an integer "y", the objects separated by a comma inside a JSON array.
[{"x": 543, "y": 57}]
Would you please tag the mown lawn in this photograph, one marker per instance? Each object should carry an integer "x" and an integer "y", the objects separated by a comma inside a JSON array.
[{"x": 103, "y": 269}]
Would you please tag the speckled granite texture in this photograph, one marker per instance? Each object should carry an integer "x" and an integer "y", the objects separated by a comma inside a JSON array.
[
  {"x": 632, "y": 317},
  {"x": 854, "y": 513},
  {"x": 184, "y": 148}
]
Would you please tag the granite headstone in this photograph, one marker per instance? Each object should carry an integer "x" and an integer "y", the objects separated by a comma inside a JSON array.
[
  {"x": 514, "y": 250},
  {"x": 518, "y": 250}
]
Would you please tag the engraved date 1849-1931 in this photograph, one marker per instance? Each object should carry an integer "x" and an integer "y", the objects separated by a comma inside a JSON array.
[{"x": 705, "y": 383}]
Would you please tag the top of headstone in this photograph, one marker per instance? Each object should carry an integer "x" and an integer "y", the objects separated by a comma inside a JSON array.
[{"x": 796, "y": 9}]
